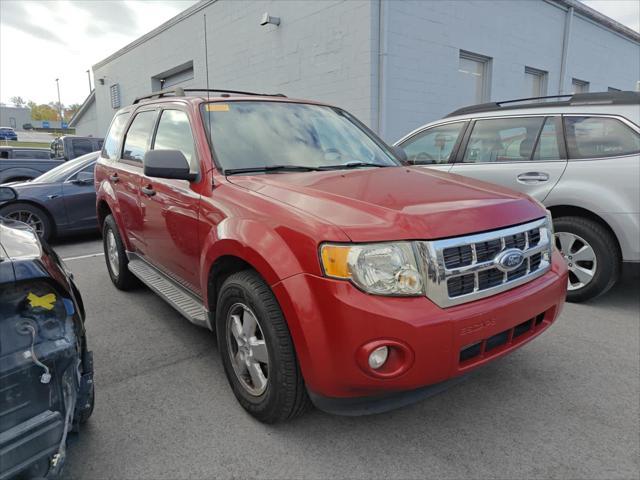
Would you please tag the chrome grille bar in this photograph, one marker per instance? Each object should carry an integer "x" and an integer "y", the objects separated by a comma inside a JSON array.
[{"x": 438, "y": 273}]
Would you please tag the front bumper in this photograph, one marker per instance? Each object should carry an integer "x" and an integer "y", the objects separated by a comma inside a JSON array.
[{"x": 330, "y": 321}]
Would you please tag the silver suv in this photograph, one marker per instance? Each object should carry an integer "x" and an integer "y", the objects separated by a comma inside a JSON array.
[{"x": 577, "y": 154}]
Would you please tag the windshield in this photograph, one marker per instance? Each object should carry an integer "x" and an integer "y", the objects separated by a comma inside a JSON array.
[
  {"x": 247, "y": 135},
  {"x": 60, "y": 173}
]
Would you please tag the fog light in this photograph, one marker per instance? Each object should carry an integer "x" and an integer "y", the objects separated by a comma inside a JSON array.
[{"x": 378, "y": 357}]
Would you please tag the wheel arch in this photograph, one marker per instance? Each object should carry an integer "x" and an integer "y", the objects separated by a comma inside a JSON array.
[
  {"x": 103, "y": 210},
  {"x": 52, "y": 221},
  {"x": 573, "y": 211},
  {"x": 221, "y": 269}
]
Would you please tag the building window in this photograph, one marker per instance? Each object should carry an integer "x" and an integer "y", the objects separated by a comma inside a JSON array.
[
  {"x": 114, "y": 92},
  {"x": 535, "y": 82},
  {"x": 172, "y": 77},
  {"x": 579, "y": 86},
  {"x": 475, "y": 71},
  {"x": 612, "y": 89}
]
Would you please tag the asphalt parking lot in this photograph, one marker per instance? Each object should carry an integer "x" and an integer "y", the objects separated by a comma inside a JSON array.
[{"x": 564, "y": 406}]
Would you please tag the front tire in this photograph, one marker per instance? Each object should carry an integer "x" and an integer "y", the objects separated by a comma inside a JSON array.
[
  {"x": 116, "y": 256},
  {"x": 33, "y": 216},
  {"x": 592, "y": 256},
  {"x": 257, "y": 350}
]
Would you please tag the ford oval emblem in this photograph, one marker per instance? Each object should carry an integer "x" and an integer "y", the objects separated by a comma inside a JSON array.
[{"x": 509, "y": 260}]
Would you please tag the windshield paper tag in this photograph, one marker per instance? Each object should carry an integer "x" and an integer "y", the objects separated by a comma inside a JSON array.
[
  {"x": 217, "y": 107},
  {"x": 46, "y": 301}
]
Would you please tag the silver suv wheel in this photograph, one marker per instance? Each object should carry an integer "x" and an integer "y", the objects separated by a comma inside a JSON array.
[
  {"x": 580, "y": 258},
  {"x": 112, "y": 253},
  {"x": 247, "y": 349}
]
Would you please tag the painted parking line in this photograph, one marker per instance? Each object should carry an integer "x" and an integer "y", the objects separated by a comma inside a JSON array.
[{"x": 79, "y": 257}]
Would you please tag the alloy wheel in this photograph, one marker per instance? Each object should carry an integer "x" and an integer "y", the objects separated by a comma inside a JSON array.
[
  {"x": 580, "y": 257},
  {"x": 247, "y": 349},
  {"x": 112, "y": 253},
  {"x": 31, "y": 219}
]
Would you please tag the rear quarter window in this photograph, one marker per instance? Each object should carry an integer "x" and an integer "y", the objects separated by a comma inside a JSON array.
[{"x": 599, "y": 137}]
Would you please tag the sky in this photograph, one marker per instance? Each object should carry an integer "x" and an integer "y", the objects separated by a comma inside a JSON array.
[{"x": 41, "y": 40}]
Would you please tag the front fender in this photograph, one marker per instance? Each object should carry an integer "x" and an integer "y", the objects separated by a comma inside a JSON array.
[
  {"x": 105, "y": 193},
  {"x": 268, "y": 251}
]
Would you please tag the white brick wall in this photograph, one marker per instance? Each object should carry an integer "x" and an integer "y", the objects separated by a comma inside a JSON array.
[
  {"x": 328, "y": 50},
  {"x": 320, "y": 51}
]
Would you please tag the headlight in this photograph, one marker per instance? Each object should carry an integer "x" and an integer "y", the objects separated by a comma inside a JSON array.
[
  {"x": 552, "y": 238},
  {"x": 378, "y": 268}
]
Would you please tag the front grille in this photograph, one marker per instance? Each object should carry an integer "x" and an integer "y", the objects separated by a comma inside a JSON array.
[
  {"x": 458, "y": 256},
  {"x": 467, "y": 268},
  {"x": 492, "y": 345}
]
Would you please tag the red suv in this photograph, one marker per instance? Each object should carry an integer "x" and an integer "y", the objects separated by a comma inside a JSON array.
[{"x": 328, "y": 270}]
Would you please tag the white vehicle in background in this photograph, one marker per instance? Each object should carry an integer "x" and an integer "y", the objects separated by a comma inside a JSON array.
[{"x": 577, "y": 154}]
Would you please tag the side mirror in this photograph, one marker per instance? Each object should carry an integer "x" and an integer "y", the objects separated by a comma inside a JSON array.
[
  {"x": 401, "y": 155},
  {"x": 167, "y": 164},
  {"x": 7, "y": 194},
  {"x": 83, "y": 178}
]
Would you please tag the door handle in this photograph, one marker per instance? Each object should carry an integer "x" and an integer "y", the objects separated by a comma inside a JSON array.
[
  {"x": 533, "y": 177},
  {"x": 114, "y": 178},
  {"x": 148, "y": 191}
]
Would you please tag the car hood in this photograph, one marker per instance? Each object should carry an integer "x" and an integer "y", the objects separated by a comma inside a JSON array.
[
  {"x": 34, "y": 190},
  {"x": 397, "y": 203}
]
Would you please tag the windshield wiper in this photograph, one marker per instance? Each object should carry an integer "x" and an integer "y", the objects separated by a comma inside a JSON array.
[
  {"x": 271, "y": 168},
  {"x": 353, "y": 165}
]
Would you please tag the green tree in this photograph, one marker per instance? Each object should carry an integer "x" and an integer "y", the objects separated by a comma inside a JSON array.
[
  {"x": 70, "y": 111},
  {"x": 42, "y": 112}
]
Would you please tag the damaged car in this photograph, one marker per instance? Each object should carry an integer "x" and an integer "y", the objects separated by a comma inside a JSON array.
[{"x": 46, "y": 369}]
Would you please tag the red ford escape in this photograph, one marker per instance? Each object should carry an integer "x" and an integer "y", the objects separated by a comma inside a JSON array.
[{"x": 329, "y": 271}]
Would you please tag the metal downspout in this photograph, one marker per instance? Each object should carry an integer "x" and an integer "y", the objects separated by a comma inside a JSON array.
[
  {"x": 382, "y": 64},
  {"x": 565, "y": 49}
]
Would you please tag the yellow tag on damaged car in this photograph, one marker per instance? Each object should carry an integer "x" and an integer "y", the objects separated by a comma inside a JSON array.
[{"x": 46, "y": 301}]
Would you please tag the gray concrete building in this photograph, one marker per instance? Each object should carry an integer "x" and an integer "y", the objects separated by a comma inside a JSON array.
[
  {"x": 14, "y": 117},
  {"x": 394, "y": 64}
]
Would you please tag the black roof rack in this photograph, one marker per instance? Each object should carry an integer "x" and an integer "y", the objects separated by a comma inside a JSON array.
[
  {"x": 595, "y": 98},
  {"x": 180, "y": 92}
]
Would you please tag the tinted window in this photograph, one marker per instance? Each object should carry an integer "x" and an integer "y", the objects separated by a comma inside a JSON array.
[
  {"x": 136, "y": 142},
  {"x": 31, "y": 154},
  {"x": 256, "y": 134},
  {"x": 174, "y": 133},
  {"x": 81, "y": 147},
  {"x": 62, "y": 172},
  {"x": 110, "y": 147},
  {"x": 547, "y": 148},
  {"x": 4, "y": 154},
  {"x": 595, "y": 137},
  {"x": 434, "y": 145},
  {"x": 503, "y": 140}
]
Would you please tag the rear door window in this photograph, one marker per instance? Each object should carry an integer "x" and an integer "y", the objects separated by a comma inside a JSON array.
[
  {"x": 81, "y": 147},
  {"x": 433, "y": 145},
  {"x": 598, "y": 137},
  {"x": 503, "y": 140},
  {"x": 547, "y": 147},
  {"x": 138, "y": 138}
]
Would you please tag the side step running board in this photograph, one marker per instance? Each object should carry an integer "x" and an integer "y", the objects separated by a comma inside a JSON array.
[{"x": 174, "y": 294}]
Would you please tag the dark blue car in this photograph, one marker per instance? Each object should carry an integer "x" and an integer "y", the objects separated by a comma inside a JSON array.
[
  {"x": 60, "y": 202},
  {"x": 8, "y": 133}
]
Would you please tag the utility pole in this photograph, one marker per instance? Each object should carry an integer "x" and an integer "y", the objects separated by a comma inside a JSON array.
[
  {"x": 89, "y": 77},
  {"x": 59, "y": 102}
]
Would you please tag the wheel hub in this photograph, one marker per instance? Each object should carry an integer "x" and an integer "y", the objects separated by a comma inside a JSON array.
[
  {"x": 580, "y": 257},
  {"x": 247, "y": 349}
]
